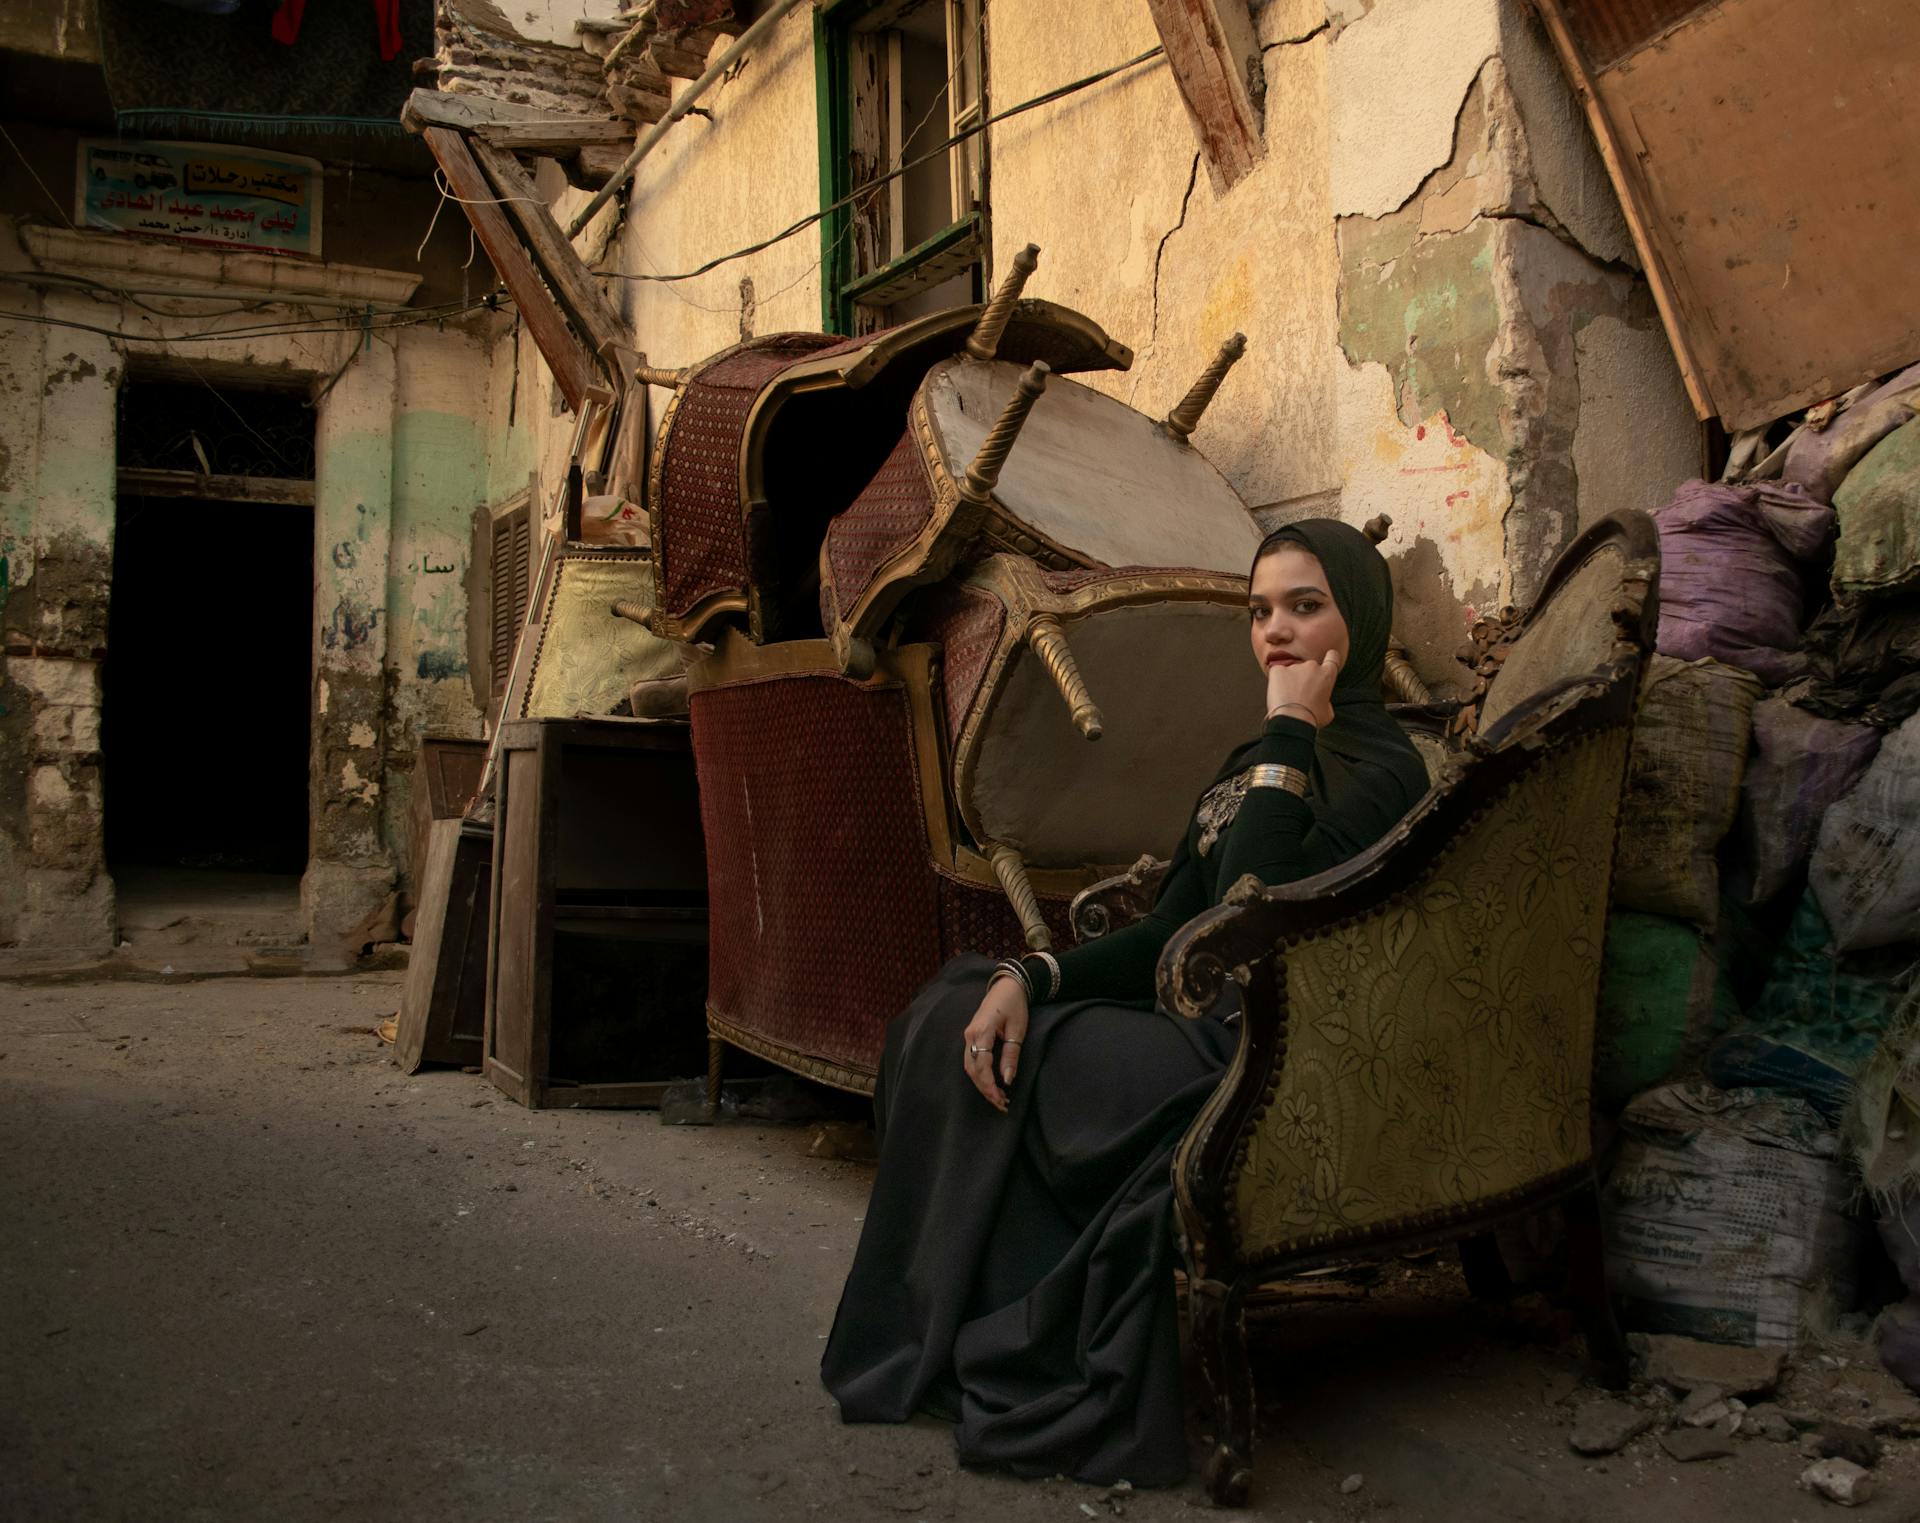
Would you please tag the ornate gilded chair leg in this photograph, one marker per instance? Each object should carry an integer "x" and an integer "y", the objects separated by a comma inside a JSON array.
[
  {"x": 1049, "y": 642},
  {"x": 1216, "y": 1312},
  {"x": 1484, "y": 1268},
  {"x": 1185, "y": 417},
  {"x": 1403, "y": 682},
  {"x": 1012, "y": 873},
  {"x": 716, "y": 1065},
  {"x": 1587, "y": 1286},
  {"x": 983, "y": 471},
  {"x": 984, "y": 342}
]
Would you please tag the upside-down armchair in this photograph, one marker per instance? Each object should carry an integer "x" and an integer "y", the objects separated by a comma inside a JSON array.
[
  {"x": 1417, "y": 1024},
  {"x": 918, "y": 575}
]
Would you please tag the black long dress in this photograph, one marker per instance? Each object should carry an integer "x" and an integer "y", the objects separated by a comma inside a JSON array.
[{"x": 1015, "y": 1272}]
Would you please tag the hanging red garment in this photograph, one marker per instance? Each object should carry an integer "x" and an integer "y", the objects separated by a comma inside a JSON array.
[
  {"x": 387, "y": 15},
  {"x": 386, "y": 18},
  {"x": 286, "y": 21}
]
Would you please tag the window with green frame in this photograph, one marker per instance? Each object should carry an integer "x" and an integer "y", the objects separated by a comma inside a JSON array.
[{"x": 894, "y": 80}]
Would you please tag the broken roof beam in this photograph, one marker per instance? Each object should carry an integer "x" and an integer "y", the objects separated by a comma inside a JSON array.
[
  {"x": 515, "y": 128},
  {"x": 1213, "y": 51},
  {"x": 573, "y": 368},
  {"x": 566, "y": 273}
]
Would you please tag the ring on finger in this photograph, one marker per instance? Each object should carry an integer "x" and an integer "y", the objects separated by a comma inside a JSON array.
[
  {"x": 1011, "y": 1041},
  {"x": 976, "y": 1051}
]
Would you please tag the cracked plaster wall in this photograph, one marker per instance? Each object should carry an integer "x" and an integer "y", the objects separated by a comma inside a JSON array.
[
  {"x": 552, "y": 20},
  {"x": 396, "y": 483},
  {"x": 715, "y": 183},
  {"x": 1419, "y": 263},
  {"x": 1466, "y": 287},
  {"x": 1416, "y": 262}
]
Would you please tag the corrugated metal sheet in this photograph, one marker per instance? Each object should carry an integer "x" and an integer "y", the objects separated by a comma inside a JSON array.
[{"x": 1607, "y": 30}]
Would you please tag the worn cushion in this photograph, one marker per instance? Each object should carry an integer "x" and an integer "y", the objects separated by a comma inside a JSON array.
[{"x": 1177, "y": 689}]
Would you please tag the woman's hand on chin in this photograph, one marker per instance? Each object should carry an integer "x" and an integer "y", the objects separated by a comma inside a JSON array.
[
  {"x": 1001, "y": 1018},
  {"x": 1303, "y": 689}
]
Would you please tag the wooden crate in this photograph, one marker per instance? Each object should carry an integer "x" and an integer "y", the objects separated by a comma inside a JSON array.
[{"x": 596, "y": 956}]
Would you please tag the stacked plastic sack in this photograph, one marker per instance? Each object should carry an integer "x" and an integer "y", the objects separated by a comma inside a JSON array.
[{"x": 1766, "y": 921}]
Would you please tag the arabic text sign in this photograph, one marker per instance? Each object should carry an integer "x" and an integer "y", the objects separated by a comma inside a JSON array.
[{"x": 202, "y": 193}]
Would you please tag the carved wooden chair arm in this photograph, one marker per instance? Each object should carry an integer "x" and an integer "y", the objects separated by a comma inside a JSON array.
[{"x": 1117, "y": 901}]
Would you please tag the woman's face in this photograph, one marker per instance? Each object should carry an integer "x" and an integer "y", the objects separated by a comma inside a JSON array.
[{"x": 1294, "y": 617}]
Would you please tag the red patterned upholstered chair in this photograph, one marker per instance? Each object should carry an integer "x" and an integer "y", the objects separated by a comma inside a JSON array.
[
  {"x": 741, "y": 488},
  {"x": 836, "y": 882},
  {"x": 995, "y": 457}
]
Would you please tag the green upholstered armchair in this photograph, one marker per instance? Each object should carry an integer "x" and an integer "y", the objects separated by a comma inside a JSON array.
[{"x": 1416, "y": 1046}]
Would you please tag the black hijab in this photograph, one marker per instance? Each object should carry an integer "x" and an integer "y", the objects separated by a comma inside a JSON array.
[{"x": 1366, "y": 773}]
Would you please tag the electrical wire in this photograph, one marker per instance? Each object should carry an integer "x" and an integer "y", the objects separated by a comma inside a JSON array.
[
  {"x": 1057, "y": 93},
  {"x": 132, "y": 294},
  {"x": 404, "y": 317},
  {"x": 440, "y": 184},
  {"x": 27, "y": 165}
]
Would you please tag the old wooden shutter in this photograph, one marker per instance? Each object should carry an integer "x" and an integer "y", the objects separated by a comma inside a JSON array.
[{"x": 510, "y": 571}]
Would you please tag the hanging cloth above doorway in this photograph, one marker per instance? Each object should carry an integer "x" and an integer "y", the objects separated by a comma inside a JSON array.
[{"x": 316, "y": 70}]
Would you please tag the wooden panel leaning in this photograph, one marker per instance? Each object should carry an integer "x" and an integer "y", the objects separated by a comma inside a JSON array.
[{"x": 1417, "y": 1024}]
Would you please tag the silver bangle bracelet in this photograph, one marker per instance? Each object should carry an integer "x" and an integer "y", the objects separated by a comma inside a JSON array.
[
  {"x": 1052, "y": 964},
  {"x": 1012, "y": 969},
  {"x": 1273, "y": 775}
]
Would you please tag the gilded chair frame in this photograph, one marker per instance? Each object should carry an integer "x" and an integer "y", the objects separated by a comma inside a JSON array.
[{"x": 1580, "y": 720}]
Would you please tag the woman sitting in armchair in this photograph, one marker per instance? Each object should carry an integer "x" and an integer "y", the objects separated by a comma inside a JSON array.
[{"x": 1015, "y": 1273}]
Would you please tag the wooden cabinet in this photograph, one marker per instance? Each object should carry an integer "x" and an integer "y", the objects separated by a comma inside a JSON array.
[{"x": 597, "y": 947}]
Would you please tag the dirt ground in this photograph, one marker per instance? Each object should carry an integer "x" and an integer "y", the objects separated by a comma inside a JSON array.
[{"x": 251, "y": 1271}]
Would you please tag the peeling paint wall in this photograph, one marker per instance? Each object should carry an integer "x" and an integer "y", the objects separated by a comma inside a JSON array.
[
  {"x": 401, "y": 462},
  {"x": 1443, "y": 315},
  {"x": 1470, "y": 273}
]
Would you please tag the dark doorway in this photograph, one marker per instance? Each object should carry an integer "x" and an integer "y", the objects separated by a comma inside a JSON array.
[{"x": 207, "y": 685}]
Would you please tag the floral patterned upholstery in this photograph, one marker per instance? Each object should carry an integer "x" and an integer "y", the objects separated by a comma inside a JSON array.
[{"x": 1438, "y": 1052}]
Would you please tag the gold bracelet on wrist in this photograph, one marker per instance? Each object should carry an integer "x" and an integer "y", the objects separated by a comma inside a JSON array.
[
  {"x": 1273, "y": 775},
  {"x": 1303, "y": 708}
]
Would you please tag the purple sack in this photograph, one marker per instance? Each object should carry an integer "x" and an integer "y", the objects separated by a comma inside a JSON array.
[
  {"x": 1800, "y": 765},
  {"x": 1730, "y": 581}
]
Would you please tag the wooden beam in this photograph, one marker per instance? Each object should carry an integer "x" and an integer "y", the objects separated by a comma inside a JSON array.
[
  {"x": 1635, "y": 196},
  {"x": 557, "y": 139},
  {"x": 592, "y": 167},
  {"x": 573, "y": 368},
  {"x": 517, "y": 128},
  {"x": 273, "y": 491},
  {"x": 463, "y": 113},
  {"x": 1211, "y": 45},
  {"x": 580, "y": 295}
]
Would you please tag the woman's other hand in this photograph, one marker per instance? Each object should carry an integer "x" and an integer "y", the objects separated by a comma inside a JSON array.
[
  {"x": 1002, "y": 1018},
  {"x": 1304, "y": 684}
]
